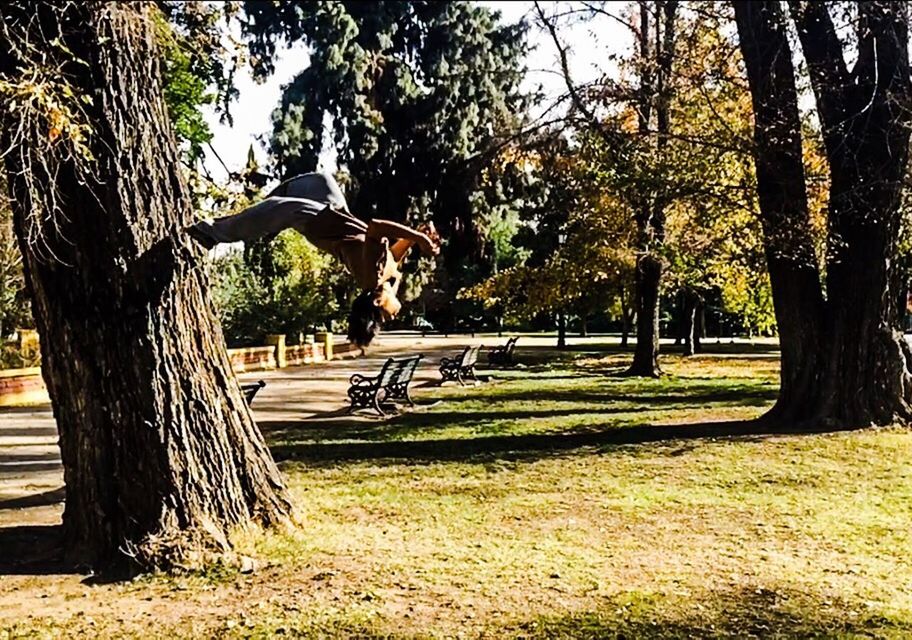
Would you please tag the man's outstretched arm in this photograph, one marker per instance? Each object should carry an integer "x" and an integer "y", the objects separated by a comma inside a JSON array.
[{"x": 387, "y": 229}]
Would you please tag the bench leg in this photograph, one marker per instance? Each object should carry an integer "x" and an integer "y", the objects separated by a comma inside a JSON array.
[{"x": 377, "y": 406}]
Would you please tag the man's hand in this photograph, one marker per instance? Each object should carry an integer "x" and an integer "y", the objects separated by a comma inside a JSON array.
[
  {"x": 425, "y": 237},
  {"x": 430, "y": 240}
]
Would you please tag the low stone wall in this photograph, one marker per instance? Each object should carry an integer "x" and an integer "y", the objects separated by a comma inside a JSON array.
[
  {"x": 25, "y": 386},
  {"x": 22, "y": 387},
  {"x": 252, "y": 358},
  {"x": 345, "y": 349},
  {"x": 304, "y": 354}
]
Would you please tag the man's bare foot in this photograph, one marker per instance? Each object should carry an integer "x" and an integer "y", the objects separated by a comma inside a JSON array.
[{"x": 201, "y": 237}]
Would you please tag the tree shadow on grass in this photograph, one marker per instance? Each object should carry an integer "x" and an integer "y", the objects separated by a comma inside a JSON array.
[
  {"x": 524, "y": 447},
  {"x": 32, "y": 550},
  {"x": 495, "y": 413},
  {"x": 701, "y": 395},
  {"x": 395, "y": 427},
  {"x": 736, "y": 613},
  {"x": 536, "y": 354}
]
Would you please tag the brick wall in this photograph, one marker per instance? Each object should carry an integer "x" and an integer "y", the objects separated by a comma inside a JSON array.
[{"x": 25, "y": 386}]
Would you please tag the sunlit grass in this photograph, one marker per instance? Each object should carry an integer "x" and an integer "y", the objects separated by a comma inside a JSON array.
[{"x": 414, "y": 527}]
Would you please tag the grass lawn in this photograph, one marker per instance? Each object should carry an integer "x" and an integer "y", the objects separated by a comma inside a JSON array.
[{"x": 549, "y": 503}]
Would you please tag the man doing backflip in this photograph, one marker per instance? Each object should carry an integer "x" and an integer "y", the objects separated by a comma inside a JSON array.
[{"x": 313, "y": 205}]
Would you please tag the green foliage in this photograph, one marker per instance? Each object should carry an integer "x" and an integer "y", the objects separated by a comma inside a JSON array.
[
  {"x": 700, "y": 175},
  {"x": 15, "y": 310},
  {"x": 292, "y": 295},
  {"x": 576, "y": 241},
  {"x": 12, "y": 358},
  {"x": 185, "y": 90},
  {"x": 198, "y": 66},
  {"x": 714, "y": 236}
]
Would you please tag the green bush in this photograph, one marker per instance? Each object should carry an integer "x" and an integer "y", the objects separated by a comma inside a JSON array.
[
  {"x": 12, "y": 358},
  {"x": 282, "y": 287}
]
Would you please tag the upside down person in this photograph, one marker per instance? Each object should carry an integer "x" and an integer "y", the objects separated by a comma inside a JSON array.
[{"x": 313, "y": 205}]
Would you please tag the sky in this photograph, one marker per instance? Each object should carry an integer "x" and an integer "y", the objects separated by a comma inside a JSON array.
[{"x": 590, "y": 46}]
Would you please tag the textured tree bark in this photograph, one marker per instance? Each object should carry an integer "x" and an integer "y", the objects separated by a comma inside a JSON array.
[
  {"x": 866, "y": 122},
  {"x": 161, "y": 456},
  {"x": 646, "y": 351},
  {"x": 843, "y": 362},
  {"x": 781, "y": 189}
]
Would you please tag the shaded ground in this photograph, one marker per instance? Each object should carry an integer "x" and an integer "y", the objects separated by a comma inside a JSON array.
[{"x": 538, "y": 505}]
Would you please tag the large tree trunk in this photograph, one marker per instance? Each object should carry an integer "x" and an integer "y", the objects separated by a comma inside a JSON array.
[
  {"x": 161, "y": 456},
  {"x": 646, "y": 351},
  {"x": 867, "y": 378},
  {"x": 781, "y": 189},
  {"x": 843, "y": 362}
]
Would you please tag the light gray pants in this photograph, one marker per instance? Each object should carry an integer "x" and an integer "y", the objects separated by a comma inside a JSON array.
[{"x": 267, "y": 217}]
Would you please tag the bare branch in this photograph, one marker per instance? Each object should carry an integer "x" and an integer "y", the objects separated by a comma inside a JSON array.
[
  {"x": 823, "y": 52},
  {"x": 598, "y": 9},
  {"x": 577, "y": 100}
]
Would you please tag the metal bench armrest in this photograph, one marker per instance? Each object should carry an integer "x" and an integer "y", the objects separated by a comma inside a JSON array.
[{"x": 361, "y": 380}]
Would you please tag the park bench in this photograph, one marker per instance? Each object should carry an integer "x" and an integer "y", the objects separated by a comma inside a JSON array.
[
  {"x": 461, "y": 368},
  {"x": 250, "y": 390},
  {"x": 388, "y": 386},
  {"x": 503, "y": 355}
]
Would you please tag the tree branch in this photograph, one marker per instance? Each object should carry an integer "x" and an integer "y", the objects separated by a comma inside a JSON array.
[
  {"x": 823, "y": 52},
  {"x": 594, "y": 9},
  {"x": 575, "y": 97}
]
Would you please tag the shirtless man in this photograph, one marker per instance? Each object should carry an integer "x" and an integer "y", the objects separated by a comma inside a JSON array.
[{"x": 313, "y": 205}]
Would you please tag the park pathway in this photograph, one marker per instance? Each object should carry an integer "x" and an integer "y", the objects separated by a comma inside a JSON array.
[{"x": 31, "y": 475}]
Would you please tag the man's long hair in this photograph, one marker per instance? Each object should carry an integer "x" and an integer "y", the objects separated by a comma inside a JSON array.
[{"x": 364, "y": 320}]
